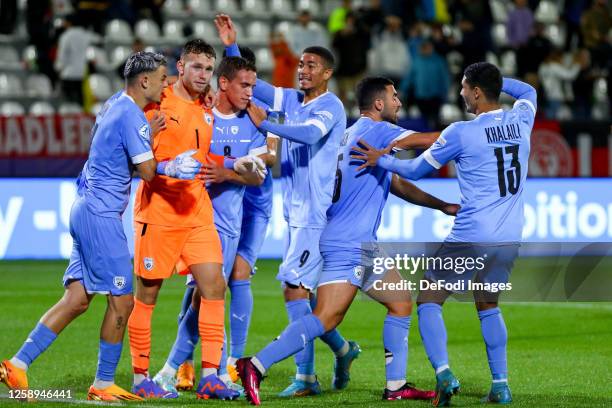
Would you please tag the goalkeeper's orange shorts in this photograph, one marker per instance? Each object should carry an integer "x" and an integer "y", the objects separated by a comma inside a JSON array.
[{"x": 158, "y": 248}]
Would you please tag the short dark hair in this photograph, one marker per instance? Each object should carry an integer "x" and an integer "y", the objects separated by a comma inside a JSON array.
[
  {"x": 198, "y": 46},
  {"x": 246, "y": 53},
  {"x": 324, "y": 53},
  {"x": 485, "y": 76},
  {"x": 140, "y": 62},
  {"x": 230, "y": 66},
  {"x": 369, "y": 89}
]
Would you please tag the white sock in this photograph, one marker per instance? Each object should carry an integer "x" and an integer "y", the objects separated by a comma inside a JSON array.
[
  {"x": 138, "y": 378},
  {"x": 101, "y": 384},
  {"x": 225, "y": 378},
  {"x": 309, "y": 378},
  {"x": 208, "y": 371},
  {"x": 343, "y": 350},
  {"x": 168, "y": 370},
  {"x": 442, "y": 368},
  {"x": 395, "y": 385},
  {"x": 18, "y": 363},
  {"x": 258, "y": 365},
  {"x": 232, "y": 361}
]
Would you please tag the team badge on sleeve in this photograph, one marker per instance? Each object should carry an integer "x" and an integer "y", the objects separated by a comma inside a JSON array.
[{"x": 144, "y": 131}]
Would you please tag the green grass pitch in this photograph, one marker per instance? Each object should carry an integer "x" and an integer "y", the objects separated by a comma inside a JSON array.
[{"x": 560, "y": 354}]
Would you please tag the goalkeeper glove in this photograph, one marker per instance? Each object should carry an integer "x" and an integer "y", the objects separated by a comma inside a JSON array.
[
  {"x": 182, "y": 167},
  {"x": 250, "y": 164}
]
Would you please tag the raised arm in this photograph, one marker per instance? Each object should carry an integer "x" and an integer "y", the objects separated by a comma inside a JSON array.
[{"x": 520, "y": 90}]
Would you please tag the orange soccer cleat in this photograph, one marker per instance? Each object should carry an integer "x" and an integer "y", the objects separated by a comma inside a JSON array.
[
  {"x": 110, "y": 394},
  {"x": 14, "y": 378},
  {"x": 185, "y": 377}
]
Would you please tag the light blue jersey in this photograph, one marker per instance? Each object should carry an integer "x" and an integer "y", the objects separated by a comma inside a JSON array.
[
  {"x": 121, "y": 140},
  {"x": 359, "y": 197},
  {"x": 308, "y": 170},
  {"x": 233, "y": 135},
  {"x": 491, "y": 155},
  {"x": 258, "y": 199}
]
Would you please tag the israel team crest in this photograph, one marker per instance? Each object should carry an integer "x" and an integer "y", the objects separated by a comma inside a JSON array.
[
  {"x": 148, "y": 263},
  {"x": 208, "y": 118},
  {"x": 119, "y": 282},
  {"x": 234, "y": 130},
  {"x": 358, "y": 271}
]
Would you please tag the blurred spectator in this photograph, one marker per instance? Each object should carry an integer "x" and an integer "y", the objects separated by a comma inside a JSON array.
[
  {"x": 595, "y": 24},
  {"x": 406, "y": 10},
  {"x": 92, "y": 13},
  {"x": 39, "y": 24},
  {"x": 582, "y": 86},
  {"x": 8, "y": 16},
  {"x": 306, "y": 33},
  {"x": 372, "y": 17},
  {"x": 519, "y": 24},
  {"x": 137, "y": 46},
  {"x": 443, "y": 43},
  {"x": 553, "y": 73},
  {"x": 285, "y": 62},
  {"x": 150, "y": 9},
  {"x": 389, "y": 54},
  {"x": 475, "y": 20},
  {"x": 572, "y": 11},
  {"x": 337, "y": 18},
  {"x": 530, "y": 57},
  {"x": 351, "y": 46},
  {"x": 427, "y": 83},
  {"x": 71, "y": 61}
]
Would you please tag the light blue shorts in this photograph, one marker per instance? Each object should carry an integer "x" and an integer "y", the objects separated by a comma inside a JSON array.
[
  {"x": 252, "y": 237},
  {"x": 302, "y": 261}
]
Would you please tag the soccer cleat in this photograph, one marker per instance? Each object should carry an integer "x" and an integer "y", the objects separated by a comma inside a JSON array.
[
  {"x": 408, "y": 391},
  {"x": 111, "y": 394},
  {"x": 447, "y": 385},
  {"x": 233, "y": 373},
  {"x": 343, "y": 365},
  {"x": 499, "y": 394},
  {"x": 211, "y": 387},
  {"x": 185, "y": 377},
  {"x": 251, "y": 379},
  {"x": 166, "y": 382},
  {"x": 147, "y": 389},
  {"x": 299, "y": 388},
  {"x": 235, "y": 387},
  {"x": 14, "y": 378}
]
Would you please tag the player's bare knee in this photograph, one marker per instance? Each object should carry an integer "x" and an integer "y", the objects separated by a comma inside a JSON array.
[
  {"x": 292, "y": 292},
  {"x": 76, "y": 305},
  {"x": 122, "y": 305},
  {"x": 399, "y": 308},
  {"x": 330, "y": 319}
]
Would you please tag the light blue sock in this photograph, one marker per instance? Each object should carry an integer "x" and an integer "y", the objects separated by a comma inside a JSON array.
[
  {"x": 37, "y": 342},
  {"x": 294, "y": 338},
  {"x": 186, "y": 302},
  {"x": 433, "y": 333},
  {"x": 241, "y": 309},
  {"x": 332, "y": 338},
  {"x": 304, "y": 360},
  {"x": 495, "y": 337},
  {"x": 186, "y": 339},
  {"x": 108, "y": 358},
  {"x": 395, "y": 340}
]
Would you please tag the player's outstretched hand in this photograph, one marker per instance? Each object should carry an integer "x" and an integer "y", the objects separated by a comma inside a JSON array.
[
  {"x": 256, "y": 113},
  {"x": 183, "y": 166},
  {"x": 226, "y": 29},
  {"x": 369, "y": 154},
  {"x": 157, "y": 123},
  {"x": 212, "y": 173},
  {"x": 451, "y": 209}
]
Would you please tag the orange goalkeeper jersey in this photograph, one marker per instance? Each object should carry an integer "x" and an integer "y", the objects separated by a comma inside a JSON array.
[{"x": 169, "y": 201}]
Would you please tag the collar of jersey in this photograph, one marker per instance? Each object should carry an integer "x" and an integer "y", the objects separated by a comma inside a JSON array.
[
  {"x": 223, "y": 115},
  {"x": 500, "y": 110},
  {"x": 123, "y": 93},
  {"x": 309, "y": 102}
]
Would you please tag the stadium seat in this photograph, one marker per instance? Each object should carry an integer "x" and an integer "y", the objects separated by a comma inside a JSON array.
[
  {"x": 206, "y": 30},
  {"x": 600, "y": 111},
  {"x": 100, "y": 86},
  {"x": 174, "y": 8},
  {"x": 556, "y": 34},
  {"x": 265, "y": 61},
  {"x": 173, "y": 31},
  {"x": 29, "y": 55},
  {"x": 601, "y": 90},
  {"x": 67, "y": 108},
  {"x": 39, "y": 85},
  {"x": 227, "y": 6},
  {"x": 499, "y": 35},
  {"x": 118, "y": 31},
  {"x": 147, "y": 29},
  {"x": 11, "y": 108},
  {"x": 10, "y": 85},
  {"x": 450, "y": 113},
  {"x": 258, "y": 32},
  {"x": 547, "y": 12},
  {"x": 282, "y": 8},
  {"x": 98, "y": 57},
  {"x": 499, "y": 8},
  {"x": 331, "y": 5},
  {"x": 491, "y": 57},
  {"x": 414, "y": 112},
  {"x": 96, "y": 108},
  {"x": 119, "y": 55},
  {"x": 564, "y": 113},
  {"x": 9, "y": 58},
  {"x": 508, "y": 63},
  {"x": 256, "y": 8},
  {"x": 283, "y": 27},
  {"x": 455, "y": 61},
  {"x": 310, "y": 5},
  {"x": 42, "y": 108},
  {"x": 201, "y": 8}
]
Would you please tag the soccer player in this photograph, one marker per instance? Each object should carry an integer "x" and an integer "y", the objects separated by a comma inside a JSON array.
[
  {"x": 234, "y": 135},
  {"x": 353, "y": 220},
  {"x": 491, "y": 154},
  {"x": 174, "y": 219},
  {"x": 314, "y": 123},
  {"x": 100, "y": 260}
]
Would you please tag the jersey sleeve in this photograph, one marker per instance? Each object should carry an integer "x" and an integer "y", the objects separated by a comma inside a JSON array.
[
  {"x": 325, "y": 116},
  {"x": 258, "y": 145},
  {"x": 446, "y": 148},
  {"x": 391, "y": 133},
  {"x": 137, "y": 138}
]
